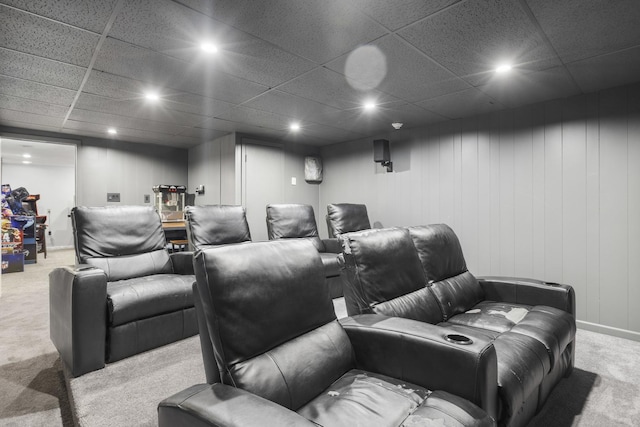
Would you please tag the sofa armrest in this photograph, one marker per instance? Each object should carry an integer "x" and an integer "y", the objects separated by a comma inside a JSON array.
[
  {"x": 529, "y": 292},
  {"x": 78, "y": 316},
  {"x": 332, "y": 245},
  {"x": 223, "y": 406},
  {"x": 420, "y": 353},
  {"x": 182, "y": 262}
]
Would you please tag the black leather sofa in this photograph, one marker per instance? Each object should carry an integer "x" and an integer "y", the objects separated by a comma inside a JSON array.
[
  {"x": 420, "y": 273},
  {"x": 346, "y": 217},
  {"x": 213, "y": 225},
  {"x": 126, "y": 295},
  {"x": 297, "y": 221},
  {"x": 275, "y": 354}
]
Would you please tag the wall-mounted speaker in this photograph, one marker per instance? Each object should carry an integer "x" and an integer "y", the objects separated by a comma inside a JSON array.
[{"x": 381, "y": 151}]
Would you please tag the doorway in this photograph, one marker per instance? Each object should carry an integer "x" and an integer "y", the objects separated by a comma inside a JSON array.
[{"x": 46, "y": 169}]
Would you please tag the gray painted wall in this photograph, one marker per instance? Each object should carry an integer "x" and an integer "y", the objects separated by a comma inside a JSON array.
[
  {"x": 550, "y": 191},
  {"x": 212, "y": 164}
]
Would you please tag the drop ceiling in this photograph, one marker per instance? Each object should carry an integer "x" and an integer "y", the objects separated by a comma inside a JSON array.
[{"x": 81, "y": 67}]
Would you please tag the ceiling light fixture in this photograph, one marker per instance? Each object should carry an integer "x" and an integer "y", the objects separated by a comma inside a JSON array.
[
  {"x": 152, "y": 96},
  {"x": 369, "y": 105},
  {"x": 295, "y": 127},
  {"x": 503, "y": 68},
  {"x": 26, "y": 155},
  {"x": 26, "y": 162},
  {"x": 112, "y": 131},
  {"x": 209, "y": 47},
  {"x": 397, "y": 125}
]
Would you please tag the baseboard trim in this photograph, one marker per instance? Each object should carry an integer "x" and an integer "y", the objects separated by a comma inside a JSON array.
[
  {"x": 59, "y": 248},
  {"x": 608, "y": 330}
]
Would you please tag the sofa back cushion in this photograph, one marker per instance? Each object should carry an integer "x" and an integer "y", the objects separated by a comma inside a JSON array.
[
  {"x": 445, "y": 269},
  {"x": 216, "y": 225},
  {"x": 271, "y": 320},
  {"x": 286, "y": 221},
  {"x": 124, "y": 241},
  {"x": 384, "y": 275},
  {"x": 346, "y": 217}
]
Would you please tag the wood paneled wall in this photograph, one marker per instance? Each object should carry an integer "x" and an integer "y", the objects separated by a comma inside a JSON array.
[{"x": 549, "y": 191}]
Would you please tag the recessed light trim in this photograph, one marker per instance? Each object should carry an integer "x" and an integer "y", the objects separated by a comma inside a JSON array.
[
  {"x": 26, "y": 155},
  {"x": 208, "y": 47},
  {"x": 369, "y": 105},
  {"x": 112, "y": 131},
  {"x": 503, "y": 68},
  {"x": 152, "y": 96},
  {"x": 294, "y": 127},
  {"x": 26, "y": 162}
]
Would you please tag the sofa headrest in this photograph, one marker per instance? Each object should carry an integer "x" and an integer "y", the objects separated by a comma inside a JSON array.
[
  {"x": 293, "y": 221},
  {"x": 346, "y": 217},
  {"x": 216, "y": 225},
  {"x": 259, "y": 295},
  {"x": 116, "y": 231},
  {"x": 387, "y": 264},
  {"x": 439, "y": 251}
]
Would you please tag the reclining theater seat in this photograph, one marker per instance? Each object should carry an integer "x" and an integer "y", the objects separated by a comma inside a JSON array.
[
  {"x": 345, "y": 218},
  {"x": 126, "y": 296},
  {"x": 284, "y": 360},
  {"x": 213, "y": 225},
  {"x": 285, "y": 221},
  {"x": 420, "y": 273}
]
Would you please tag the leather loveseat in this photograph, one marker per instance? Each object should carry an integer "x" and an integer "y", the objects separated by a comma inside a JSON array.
[
  {"x": 297, "y": 221},
  {"x": 127, "y": 294},
  {"x": 277, "y": 355},
  {"x": 213, "y": 225},
  {"x": 420, "y": 273}
]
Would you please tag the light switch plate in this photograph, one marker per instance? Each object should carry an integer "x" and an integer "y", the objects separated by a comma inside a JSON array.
[{"x": 294, "y": 181}]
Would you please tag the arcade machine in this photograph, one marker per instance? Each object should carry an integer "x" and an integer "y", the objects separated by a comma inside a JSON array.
[
  {"x": 169, "y": 201},
  {"x": 18, "y": 231}
]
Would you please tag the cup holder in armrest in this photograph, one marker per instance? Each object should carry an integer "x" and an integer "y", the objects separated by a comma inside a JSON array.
[{"x": 458, "y": 339}]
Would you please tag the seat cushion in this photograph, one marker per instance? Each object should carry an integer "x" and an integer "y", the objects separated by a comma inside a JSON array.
[
  {"x": 331, "y": 264},
  {"x": 148, "y": 296},
  {"x": 361, "y": 398}
]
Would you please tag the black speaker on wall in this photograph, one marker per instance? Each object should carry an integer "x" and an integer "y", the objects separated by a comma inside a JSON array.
[{"x": 381, "y": 153}]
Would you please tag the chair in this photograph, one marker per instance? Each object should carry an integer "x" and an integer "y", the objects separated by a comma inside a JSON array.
[
  {"x": 296, "y": 221},
  {"x": 420, "y": 273},
  {"x": 346, "y": 217},
  {"x": 126, "y": 295},
  {"x": 284, "y": 359},
  {"x": 214, "y": 225}
]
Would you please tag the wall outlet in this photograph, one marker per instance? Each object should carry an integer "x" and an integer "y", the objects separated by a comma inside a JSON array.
[
  {"x": 113, "y": 197},
  {"x": 147, "y": 198}
]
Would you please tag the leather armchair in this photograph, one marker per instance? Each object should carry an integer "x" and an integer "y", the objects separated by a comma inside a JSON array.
[
  {"x": 127, "y": 294},
  {"x": 214, "y": 225},
  {"x": 284, "y": 359},
  {"x": 346, "y": 217},
  {"x": 296, "y": 221},
  {"x": 420, "y": 273}
]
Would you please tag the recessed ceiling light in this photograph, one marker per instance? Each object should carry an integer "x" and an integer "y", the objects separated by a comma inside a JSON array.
[
  {"x": 26, "y": 162},
  {"x": 503, "y": 68},
  {"x": 369, "y": 105},
  {"x": 209, "y": 47},
  {"x": 152, "y": 96},
  {"x": 295, "y": 126},
  {"x": 26, "y": 155},
  {"x": 112, "y": 131}
]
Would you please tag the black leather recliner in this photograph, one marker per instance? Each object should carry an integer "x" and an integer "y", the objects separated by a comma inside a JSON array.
[
  {"x": 346, "y": 217},
  {"x": 284, "y": 360},
  {"x": 127, "y": 294},
  {"x": 420, "y": 273},
  {"x": 214, "y": 225},
  {"x": 297, "y": 221}
]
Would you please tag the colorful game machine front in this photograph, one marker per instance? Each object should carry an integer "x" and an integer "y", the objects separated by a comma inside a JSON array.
[
  {"x": 14, "y": 251},
  {"x": 169, "y": 202}
]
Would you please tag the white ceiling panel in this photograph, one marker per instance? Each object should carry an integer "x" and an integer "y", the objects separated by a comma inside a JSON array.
[
  {"x": 36, "y": 91},
  {"x": 30, "y": 106},
  {"x": 460, "y": 104},
  {"x": 395, "y": 14},
  {"x": 41, "y": 70},
  {"x": 607, "y": 71}
]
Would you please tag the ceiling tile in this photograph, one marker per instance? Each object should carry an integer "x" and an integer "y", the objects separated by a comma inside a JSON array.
[
  {"x": 581, "y": 29},
  {"x": 472, "y": 38},
  {"x": 316, "y": 30},
  {"x": 288, "y": 105},
  {"x": 104, "y": 121},
  {"x": 138, "y": 109},
  {"x": 395, "y": 14},
  {"x": 90, "y": 15},
  {"x": 29, "y": 67},
  {"x": 462, "y": 104},
  {"x": 36, "y": 91},
  {"x": 328, "y": 87},
  {"x": 28, "y": 119},
  {"x": 515, "y": 89},
  {"x": 31, "y": 106},
  {"x": 42, "y": 37},
  {"x": 162, "y": 71},
  {"x": 409, "y": 75},
  {"x": 256, "y": 117},
  {"x": 607, "y": 71}
]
